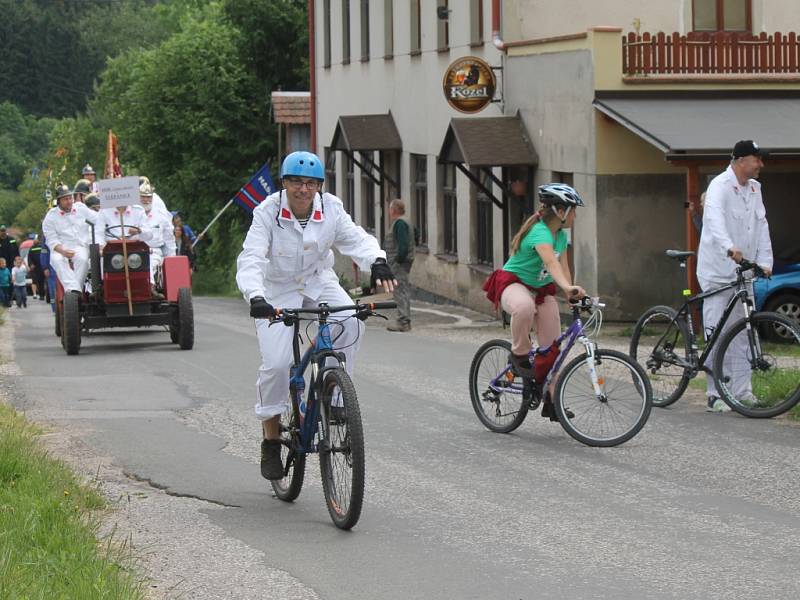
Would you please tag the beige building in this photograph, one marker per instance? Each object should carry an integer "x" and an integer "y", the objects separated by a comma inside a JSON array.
[{"x": 636, "y": 104}]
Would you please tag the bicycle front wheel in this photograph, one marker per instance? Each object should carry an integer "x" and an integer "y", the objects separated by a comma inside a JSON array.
[
  {"x": 757, "y": 378},
  {"x": 341, "y": 454},
  {"x": 659, "y": 345},
  {"x": 501, "y": 407},
  {"x": 294, "y": 464},
  {"x": 611, "y": 413}
]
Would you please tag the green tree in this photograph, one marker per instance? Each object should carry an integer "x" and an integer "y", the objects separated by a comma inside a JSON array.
[
  {"x": 191, "y": 117},
  {"x": 274, "y": 40}
]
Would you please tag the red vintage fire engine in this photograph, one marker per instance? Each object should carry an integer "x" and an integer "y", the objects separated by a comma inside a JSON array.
[{"x": 123, "y": 296}]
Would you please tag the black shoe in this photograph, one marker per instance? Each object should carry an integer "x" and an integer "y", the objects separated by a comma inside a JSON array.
[
  {"x": 338, "y": 415},
  {"x": 521, "y": 365},
  {"x": 271, "y": 465},
  {"x": 549, "y": 410}
]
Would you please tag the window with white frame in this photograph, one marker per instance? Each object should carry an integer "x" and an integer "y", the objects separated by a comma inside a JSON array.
[
  {"x": 364, "y": 30},
  {"x": 722, "y": 15},
  {"x": 419, "y": 187},
  {"x": 484, "y": 251},
  {"x": 388, "y": 28},
  {"x": 449, "y": 210},
  {"x": 345, "y": 31},
  {"x": 415, "y": 27}
]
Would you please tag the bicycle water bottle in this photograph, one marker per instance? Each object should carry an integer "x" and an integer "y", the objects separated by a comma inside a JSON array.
[{"x": 302, "y": 408}]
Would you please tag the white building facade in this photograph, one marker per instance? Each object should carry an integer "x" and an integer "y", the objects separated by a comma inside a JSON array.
[{"x": 384, "y": 126}]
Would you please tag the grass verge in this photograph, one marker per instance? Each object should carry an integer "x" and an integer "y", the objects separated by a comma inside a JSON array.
[{"x": 48, "y": 526}]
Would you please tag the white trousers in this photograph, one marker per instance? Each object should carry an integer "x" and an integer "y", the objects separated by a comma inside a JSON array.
[
  {"x": 72, "y": 278},
  {"x": 275, "y": 344},
  {"x": 156, "y": 259},
  {"x": 736, "y": 362}
]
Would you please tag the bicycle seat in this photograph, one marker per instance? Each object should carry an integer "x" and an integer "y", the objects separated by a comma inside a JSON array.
[{"x": 679, "y": 254}]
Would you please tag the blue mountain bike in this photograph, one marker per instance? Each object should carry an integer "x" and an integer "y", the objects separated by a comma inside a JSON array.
[
  {"x": 328, "y": 420},
  {"x": 602, "y": 397}
]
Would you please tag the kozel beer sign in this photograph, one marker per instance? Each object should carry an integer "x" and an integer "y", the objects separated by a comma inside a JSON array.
[{"x": 469, "y": 84}]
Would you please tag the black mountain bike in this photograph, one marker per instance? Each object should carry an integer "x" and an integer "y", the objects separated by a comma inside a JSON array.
[{"x": 762, "y": 381}]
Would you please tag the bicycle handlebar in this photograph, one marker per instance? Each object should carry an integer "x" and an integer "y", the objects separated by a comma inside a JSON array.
[
  {"x": 586, "y": 303},
  {"x": 746, "y": 265},
  {"x": 289, "y": 316}
]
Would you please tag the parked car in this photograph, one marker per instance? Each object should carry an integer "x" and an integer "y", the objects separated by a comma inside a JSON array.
[{"x": 780, "y": 294}]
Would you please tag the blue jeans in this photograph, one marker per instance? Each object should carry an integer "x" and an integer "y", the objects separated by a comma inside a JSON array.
[
  {"x": 20, "y": 295},
  {"x": 5, "y": 299}
]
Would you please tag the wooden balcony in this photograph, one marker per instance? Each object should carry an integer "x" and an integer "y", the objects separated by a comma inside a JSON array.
[{"x": 718, "y": 53}]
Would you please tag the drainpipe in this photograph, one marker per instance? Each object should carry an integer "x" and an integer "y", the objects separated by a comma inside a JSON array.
[
  {"x": 496, "y": 39},
  {"x": 312, "y": 74}
]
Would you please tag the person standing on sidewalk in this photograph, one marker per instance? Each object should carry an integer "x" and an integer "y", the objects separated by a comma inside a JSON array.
[
  {"x": 734, "y": 227},
  {"x": 400, "y": 256},
  {"x": 19, "y": 277}
]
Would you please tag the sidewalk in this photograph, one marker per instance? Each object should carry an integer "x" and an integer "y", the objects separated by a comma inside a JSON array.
[{"x": 455, "y": 320}]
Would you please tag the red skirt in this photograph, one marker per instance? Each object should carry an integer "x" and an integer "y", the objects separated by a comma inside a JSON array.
[{"x": 500, "y": 280}]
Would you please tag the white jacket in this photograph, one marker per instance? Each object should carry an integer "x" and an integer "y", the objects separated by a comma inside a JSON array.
[
  {"x": 733, "y": 216},
  {"x": 279, "y": 256},
  {"x": 134, "y": 216},
  {"x": 68, "y": 229},
  {"x": 161, "y": 228}
]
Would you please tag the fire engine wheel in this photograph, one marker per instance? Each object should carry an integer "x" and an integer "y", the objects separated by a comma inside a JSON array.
[
  {"x": 174, "y": 325},
  {"x": 185, "y": 319},
  {"x": 71, "y": 326},
  {"x": 57, "y": 315}
]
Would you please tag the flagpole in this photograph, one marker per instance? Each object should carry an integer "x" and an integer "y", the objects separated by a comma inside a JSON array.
[{"x": 214, "y": 220}]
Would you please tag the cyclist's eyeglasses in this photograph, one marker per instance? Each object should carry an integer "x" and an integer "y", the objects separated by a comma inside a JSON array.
[{"x": 309, "y": 184}]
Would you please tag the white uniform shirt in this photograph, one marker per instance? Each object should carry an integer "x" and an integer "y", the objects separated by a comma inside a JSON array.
[
  {"x": 733, "y": 216},
  {"x": 279, "y": 256},
  {"x": 161, "y": 228},
  {"x": 69, "y": 229},
  {"x": 133, "y": 216}
]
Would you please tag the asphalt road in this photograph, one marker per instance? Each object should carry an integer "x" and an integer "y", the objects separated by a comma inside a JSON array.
[{"x": 697, "y": 506}]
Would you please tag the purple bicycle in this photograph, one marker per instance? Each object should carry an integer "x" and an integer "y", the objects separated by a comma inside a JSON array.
[{"x": 602, "y": 397}]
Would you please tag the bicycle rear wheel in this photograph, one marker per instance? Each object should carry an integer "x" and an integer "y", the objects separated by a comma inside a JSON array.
[
  {"x": 500, "y": 410},
  {"x": 757, "y": 378},
  {"x": 288, "y": 488},
  {"x": 658, "y": 344},
  {"x": 615, "y": 415},
  {"x": 341, "y": 454}
]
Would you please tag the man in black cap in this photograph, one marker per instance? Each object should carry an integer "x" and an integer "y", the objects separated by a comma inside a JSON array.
[
  {"x": 734, "y": 227},
  {"x": 9, "y": 249}
]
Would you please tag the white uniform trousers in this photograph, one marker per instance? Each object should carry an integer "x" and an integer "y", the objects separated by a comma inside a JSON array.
[
  {"x": 736, "y": 361},
  {"x": 72, "y": 278},
  {"x": 275, "y": 344},
  {"x": 156, "y": 259}
]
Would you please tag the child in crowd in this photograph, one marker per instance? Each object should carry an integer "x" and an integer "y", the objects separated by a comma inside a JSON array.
[
  {"x": 19, "y": 276},
  {"x": 5, "y": 284}
]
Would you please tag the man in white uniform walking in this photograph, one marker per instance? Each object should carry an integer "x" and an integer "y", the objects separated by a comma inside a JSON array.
[
  {"x": 287, "y": 262},
  {"x": 734, "y": 227}
]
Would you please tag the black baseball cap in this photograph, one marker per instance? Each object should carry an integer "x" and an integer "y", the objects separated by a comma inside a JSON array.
[{"x": 748, "y": 148}]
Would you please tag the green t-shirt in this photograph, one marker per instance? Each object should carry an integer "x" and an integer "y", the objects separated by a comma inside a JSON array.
[{"x": 527, "y": 264}]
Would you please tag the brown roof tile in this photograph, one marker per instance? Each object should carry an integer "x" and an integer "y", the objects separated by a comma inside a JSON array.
[{"x": 291, "y": 107}]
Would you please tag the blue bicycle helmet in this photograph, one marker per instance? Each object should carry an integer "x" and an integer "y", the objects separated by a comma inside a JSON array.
[{"x": 303, "y": 164}]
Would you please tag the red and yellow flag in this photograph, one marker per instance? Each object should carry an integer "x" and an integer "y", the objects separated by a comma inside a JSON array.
[{"x": 112, "y": 168}]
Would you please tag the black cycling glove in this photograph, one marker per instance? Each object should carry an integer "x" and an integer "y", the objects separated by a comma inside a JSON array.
[
  {"x": 261, "y": 309},
  {"x": 380, "y": 270}
]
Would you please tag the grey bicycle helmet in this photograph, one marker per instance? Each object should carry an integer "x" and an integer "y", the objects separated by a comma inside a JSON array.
[{"x": 559, "y": 194}]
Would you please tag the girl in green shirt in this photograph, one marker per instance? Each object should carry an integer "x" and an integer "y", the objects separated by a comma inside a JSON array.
[{"x": 526, "y": 285}]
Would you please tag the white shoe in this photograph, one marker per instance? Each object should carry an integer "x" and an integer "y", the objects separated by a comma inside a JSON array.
[
  {"x": 748, "y": 400},
  {"x": 717, "y": 405}
]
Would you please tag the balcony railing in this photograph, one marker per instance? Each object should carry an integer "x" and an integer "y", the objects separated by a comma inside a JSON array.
[{"x": 710, "y": 53}]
